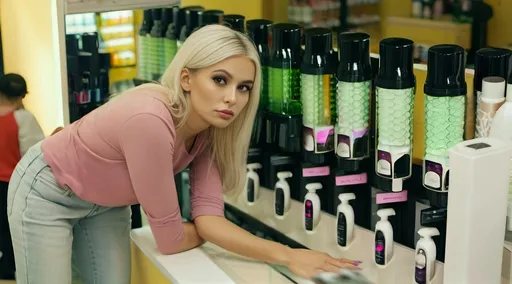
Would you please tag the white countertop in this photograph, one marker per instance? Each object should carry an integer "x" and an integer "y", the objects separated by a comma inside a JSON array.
[{"x": 213, "y": 264}]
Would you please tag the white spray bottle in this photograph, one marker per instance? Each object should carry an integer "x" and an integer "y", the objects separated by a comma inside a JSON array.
[
  {"x": 384, "y": 238},
  {"x": 282, "y": 195},
  {"x": 345, "y": 220},
  {"x": 252, "y": 183},
  {"x": 425, "y": 257},
  {"x": 312, "y": 207}
]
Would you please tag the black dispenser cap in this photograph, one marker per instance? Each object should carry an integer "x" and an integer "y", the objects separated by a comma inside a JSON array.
[
  {"x": 285, "y": 46},
  {"x": 157, "y": 14},
  {"x": 90, "y": 43},
  {"x": 166, "y": 18},
  {"x": 235, "y": 22},
  {"x": 211, "y": 17},
  {"x": 147, "y": 23},
  {"x": 317, "y": 56},
  {"x": 178, "y": 18},
  {"x": 354, "y": 55},
  {"x": 445, "y": 73},
  {"x": 258, "y": 31},
  {"x": 491, "y": 61},
  {"x": 192, "y": 17},
  {"x": 72, "y": 45},
  {"x": 396, "y": 64}
]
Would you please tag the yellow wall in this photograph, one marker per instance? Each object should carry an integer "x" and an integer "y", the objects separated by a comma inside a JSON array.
[
  {"x": 30, "y": 48},
  {"x": 500, "y": 26},
  {"x": 251, "y": 9}
]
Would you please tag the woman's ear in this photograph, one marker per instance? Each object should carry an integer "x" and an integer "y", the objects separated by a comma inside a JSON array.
[{"x": 185, "y": 79}]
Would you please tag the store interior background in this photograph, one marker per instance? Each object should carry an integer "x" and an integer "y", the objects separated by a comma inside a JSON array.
[{"x": 33, "y": 46}]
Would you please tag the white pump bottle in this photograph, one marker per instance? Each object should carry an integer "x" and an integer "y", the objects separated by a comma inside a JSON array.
[
  {"x": 252, "y": 183},
  {"x": 384, "y": 238},
  {"x": 282, "y": 195},
  {"x": 345, "y": 220},
  {"x": 312, "y": 207},
  {"x": 425, "y": 257}
]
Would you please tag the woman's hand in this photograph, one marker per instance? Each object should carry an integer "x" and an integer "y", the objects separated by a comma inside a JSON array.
[{"x": 308, "y": 263}]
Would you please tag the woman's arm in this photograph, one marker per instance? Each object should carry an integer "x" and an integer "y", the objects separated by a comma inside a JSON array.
[{"x": 191, "y": 238}]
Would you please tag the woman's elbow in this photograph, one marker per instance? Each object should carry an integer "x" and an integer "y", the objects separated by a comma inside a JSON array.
[
  {"x": 172, "y": 247},
  {"x": 205, "y": 224}
]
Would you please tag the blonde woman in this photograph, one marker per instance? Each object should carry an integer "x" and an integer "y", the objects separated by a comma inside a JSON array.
[{"x": 71, "y": 194}]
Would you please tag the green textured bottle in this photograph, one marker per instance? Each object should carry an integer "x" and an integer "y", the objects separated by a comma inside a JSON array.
[
  {"x": 156, "y": 46},
  {"x": 353, "y": 97},
  {"x": 169, "y": 42},
  {"x": 395, "y": 88},
  {"x": 142, "y": 48},
  {"x": 445, "y": 103},
  {"x": 317, "y": 71}
]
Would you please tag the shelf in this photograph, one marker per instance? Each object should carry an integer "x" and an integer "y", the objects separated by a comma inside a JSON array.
[{"x": 87, "y": 6}]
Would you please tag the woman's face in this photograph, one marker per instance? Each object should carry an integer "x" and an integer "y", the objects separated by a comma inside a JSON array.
[{"x": 220, "y": 92}]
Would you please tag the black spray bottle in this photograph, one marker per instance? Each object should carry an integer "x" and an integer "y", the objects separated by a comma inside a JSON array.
[{"x": 235, "y": 22}]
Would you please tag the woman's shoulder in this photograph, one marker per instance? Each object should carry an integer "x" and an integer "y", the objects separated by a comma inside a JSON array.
[{"x": 146, "y": 99}]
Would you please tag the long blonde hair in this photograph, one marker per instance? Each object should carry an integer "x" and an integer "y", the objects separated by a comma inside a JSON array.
[{"x": 203, "y": 48}]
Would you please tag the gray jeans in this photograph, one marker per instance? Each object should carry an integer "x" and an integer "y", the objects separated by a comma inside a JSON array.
[{"x": 51, "y": 227}]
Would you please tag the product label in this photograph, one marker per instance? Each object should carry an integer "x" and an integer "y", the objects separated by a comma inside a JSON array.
[
  {"x": 279, "y": 205},
  {"x": 420, "y": 271},
  {"x": 380, "y": 248},
  {"x": 308, "y": 215},
  {"x": 316, "y": 172},
  {"x": 342, "y": 230},
  {"x": 352, "y": 179},
  {"x": 83, "y": 97},
  {"x": 391, "y": 197},
  {"x": 319, "y": 139},
  {"x": 384, "y": 163},
  {"x": 433, "y": 175}
]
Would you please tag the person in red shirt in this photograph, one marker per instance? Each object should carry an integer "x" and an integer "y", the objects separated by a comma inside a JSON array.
[{"x": 19, "y": 131}]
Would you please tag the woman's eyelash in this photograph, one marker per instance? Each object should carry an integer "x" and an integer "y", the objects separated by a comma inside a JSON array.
[
  {"x": 219, "y": 80},
  {"x": 245, "y": 88}
]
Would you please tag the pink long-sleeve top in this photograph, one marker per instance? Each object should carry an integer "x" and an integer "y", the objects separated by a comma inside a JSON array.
[{"x": 126, "y": 152}]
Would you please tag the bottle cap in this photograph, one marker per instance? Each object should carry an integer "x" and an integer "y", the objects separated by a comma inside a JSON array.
[
  {"x": 192, "y": 16},
  {"x": 313, "y": 187},
  {"x": 179, "y": 19},
  {"x": 258, "y": 31},
  {"x": 428, "y": 232},
  {"x": 384, "y": 213},
  {"x": 317, "y": 56},
  {"x": 346, "y": 197},
  {"x": 90, "y": 43},
  {"x": 283, "y": 175},
  {"x": 166, "y": 17},
  {"x": 491, "y": 61},
  {"x": 286, "y": 47},
  {"x": 445, "y": 73},
  {"x": 72, "y": 48},
  {"x": 157, "y": 14},
  {"x": 493, "y": 87},
  {"x": 354, "y": 54},
  {"x": 210, "y": 17},
  {"x": 235, "y": 22},
  {"x": 396, "y": 64},
  {"x": 253, "y": 166},
  {"x": 147, "y": 22}
]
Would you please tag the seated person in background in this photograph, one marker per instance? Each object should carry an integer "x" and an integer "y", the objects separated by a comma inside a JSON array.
[{"x": 19, "y": 131}]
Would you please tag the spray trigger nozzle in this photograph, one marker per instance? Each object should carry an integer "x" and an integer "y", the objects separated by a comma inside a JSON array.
[
  {"x": 385, "y": 213},
  {"x": 253, "y": 166},
  {"x": 313, "y": 187},
  {"x": 284, "y": 175},
  {"x": 428, "y": 232},
  {"x": 345, "y": 197}
]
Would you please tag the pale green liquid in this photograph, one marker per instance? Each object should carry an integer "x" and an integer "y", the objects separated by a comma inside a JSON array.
[
  {"x": 394, "y": 116},
  {"x": 170, "y": 50},
  {"x": 353, "y": 107},
  {"x": 313, "y": 100},
  {"x": 284, "y": 91},
  {"x": 264, "y": 87},
  {"x": 444, "y": 123},
  {"x": 142, "y": 60}
]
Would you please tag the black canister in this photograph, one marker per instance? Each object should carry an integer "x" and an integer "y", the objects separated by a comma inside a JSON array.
[
  {"x": 192, "y": 17},
  {"x": 210, "y": 17},
  {"x": 235, "y": 22}
]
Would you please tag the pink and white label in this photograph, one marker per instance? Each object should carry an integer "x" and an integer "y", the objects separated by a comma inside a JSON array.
[
  {"x": 392, "y": 197},
  {"x": 352, "y": 179},
  {"x": 316, "y": 172}
]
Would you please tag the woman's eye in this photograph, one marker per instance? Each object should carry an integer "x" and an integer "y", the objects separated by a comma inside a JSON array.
[
  {"x": 219, "y": 80},
  {"x": 244, "y": 88}
]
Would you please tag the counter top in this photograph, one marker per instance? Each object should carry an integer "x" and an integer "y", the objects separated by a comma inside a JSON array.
[{"x": 216, "y": 265}]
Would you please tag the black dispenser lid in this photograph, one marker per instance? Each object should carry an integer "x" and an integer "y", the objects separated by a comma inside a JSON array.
[
  {"x": 147, "y": 22},
  {"x": 158, "y": 29},
  {"x": 210, "y": 17},
  {"x": 235, "y": 22},
  {"x": 72, "y": 45},
  {"x": 166, "y": 17},
  {"x": 285, "y": 37},
  {"x": 192, "y": 17},
  {"x": 491, "y": 61},
  {"x": 317, "y": 56},
  {"x": 258, "y": 31},
  {"x": 178, "y": 17},
  {"x": 90, "y": 43},
  {"x": 396, "y": 64},
  {"x": 354, "y": 55},
  {"x": 445, "y": 74}
]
